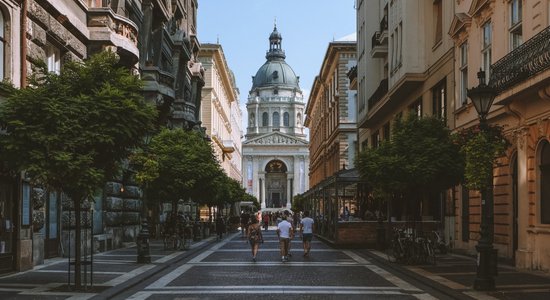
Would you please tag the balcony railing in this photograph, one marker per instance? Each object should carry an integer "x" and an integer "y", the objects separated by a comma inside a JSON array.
[
  {"x": 529, "y": 59},
  {"x": 379, "y": 93}
]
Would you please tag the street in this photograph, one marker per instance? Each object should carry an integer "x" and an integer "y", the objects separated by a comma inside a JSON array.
[{"x": 224, "y": 270}]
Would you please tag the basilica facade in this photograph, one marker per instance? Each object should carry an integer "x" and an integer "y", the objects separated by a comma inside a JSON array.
[{"x": 275, "y": 150}]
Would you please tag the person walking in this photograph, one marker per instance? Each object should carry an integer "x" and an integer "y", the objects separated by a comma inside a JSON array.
[
  {"x": 254, "y": 236},
  {"x": 306, "y": 232},
  {"x": 265, "y": 219},
  {"x": 245, "y": 219},
  {"x": 220, "y": 227},
  {"x": 284, "y": 233}
]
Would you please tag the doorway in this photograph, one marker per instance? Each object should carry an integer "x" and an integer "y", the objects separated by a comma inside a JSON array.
[
  {"x": 515, "y": 227},
  {"x": 275, "y": 181}
]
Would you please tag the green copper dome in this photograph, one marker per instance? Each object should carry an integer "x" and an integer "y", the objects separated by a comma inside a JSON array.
[{"x": 275, "y": 71}]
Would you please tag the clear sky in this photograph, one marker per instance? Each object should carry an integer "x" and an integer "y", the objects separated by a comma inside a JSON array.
[{"x": 243, "y": 28}]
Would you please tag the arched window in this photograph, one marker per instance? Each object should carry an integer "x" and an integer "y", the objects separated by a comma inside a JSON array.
[
  {"x": 276, "y": 120},
  {"x": 2, "y": 45},
  {"x": 286, "y": 121},
  {"x": 544, "y": 183},
  {"x": 265, "y": 119}
]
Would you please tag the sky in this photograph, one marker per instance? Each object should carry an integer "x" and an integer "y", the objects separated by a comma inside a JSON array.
[{"x": 242, "y": 27}]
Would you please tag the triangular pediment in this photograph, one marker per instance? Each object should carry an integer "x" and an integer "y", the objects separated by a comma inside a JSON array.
[
  {"x": 276, "y": 138},
  {"x": 476, "y": 6},
  {"x": 460, "y": 20}
]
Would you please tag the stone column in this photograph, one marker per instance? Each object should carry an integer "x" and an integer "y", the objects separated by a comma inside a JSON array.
[
  {"x": 289, "y": 192},
  {"x": 524, "y": 254},
  {"x": 262, "y": 191}
]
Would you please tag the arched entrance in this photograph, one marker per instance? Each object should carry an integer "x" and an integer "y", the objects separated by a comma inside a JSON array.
[{"x": 275, "y": 183}]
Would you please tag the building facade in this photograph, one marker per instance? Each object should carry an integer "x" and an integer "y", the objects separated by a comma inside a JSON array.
[
  {"x": 405, "y": 65},
  {"x": 10, "y": 185},
  {"x": 509, "y": 41},
  {"x": 220, "y": 112},
  {"x": 155, "y": 38},
  {"x": 275, "y": 152},
  {"x": 331, "y": 113}
]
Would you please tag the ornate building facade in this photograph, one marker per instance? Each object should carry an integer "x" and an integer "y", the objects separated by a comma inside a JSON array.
[
  {"x": 275, "y": 151},
  {"x": 220, "y": 111},
  {"x": 509, "y": 41},
  {"x": 331, "y": 114},
  {"x": 155, "y": 38}
]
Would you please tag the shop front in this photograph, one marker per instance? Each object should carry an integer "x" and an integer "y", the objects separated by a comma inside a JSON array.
[{"x": 8, "y": 205}]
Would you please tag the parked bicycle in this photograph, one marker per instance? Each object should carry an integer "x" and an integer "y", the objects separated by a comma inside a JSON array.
[{"x": 410, "y": 247}]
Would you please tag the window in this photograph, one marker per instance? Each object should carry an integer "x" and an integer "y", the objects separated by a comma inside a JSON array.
[
  {"x": 2, "y": 45},
  {"x": 464, "y": 73},
  {"x": 416, "y": 108},
  {"x": 286, "y": 121},
  {"x": 375, "y": 139},
  {"x": 438, "y": 20},
  {"x": 53, "y": 59},
  {"x": 486, "y": 50},
  {"x": 516, "y": 37},
  {"x": 265, "y": 119},
  {"x": 386, "y": 131},
  {"x": 439, "y": 100},
  {"x": 544, "y": 186},
  {"x": 276, "y": 120}
]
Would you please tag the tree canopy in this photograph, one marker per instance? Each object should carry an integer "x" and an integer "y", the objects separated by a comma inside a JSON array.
[
  {"x": 177, "y": 164},
  {"x": 70, "y": 131},
  {"x": 420, "y": 157}
]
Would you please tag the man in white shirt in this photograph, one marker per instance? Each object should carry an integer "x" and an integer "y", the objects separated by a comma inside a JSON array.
[
  {"x": 306, "y": 231},
  {"x": 285, "y": 233}
]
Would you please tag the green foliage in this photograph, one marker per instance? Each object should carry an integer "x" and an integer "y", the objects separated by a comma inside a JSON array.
[
  {"x": 481, "y": 148},
  {"x": 419, "y": 157},
  {"x": 177, "y": 164},
  {"x": 70, "y": 131},
  {"x": 298, "y": 203}
]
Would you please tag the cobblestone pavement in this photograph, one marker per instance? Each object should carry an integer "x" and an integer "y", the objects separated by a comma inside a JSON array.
[{"x": 224, "y": 270}]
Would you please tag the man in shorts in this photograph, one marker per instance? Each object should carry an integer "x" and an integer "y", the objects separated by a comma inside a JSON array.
[
  {"x": 285, "y": 233},
  {"x": 306, "y": 231}
]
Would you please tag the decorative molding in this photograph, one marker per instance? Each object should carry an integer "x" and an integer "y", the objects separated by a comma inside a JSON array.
[{"x": 276, "y": 138}]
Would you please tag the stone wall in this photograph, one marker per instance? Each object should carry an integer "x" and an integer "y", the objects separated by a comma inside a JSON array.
[{"x": 122, "y": 208}]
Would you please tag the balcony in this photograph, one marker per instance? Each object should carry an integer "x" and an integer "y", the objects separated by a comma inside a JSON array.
[
  {"x": 524, "y": 62},
  {"x": 380, "y": 92},
  {"x": 379, "y": 50},
  {"x": 109, "y": 29}
]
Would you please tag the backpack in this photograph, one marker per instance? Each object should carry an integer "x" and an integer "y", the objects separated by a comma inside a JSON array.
[{"x": 254, "y": 235}]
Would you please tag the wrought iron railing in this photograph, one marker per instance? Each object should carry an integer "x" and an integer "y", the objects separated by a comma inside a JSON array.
[
  {"x": 379, "y": 93},
  {"x": 530, "y": 58}
]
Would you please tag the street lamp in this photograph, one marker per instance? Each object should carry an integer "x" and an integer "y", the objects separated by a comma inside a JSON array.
[
  {"x": 143, "y": 250},
  {"x": 482, "y": 98}
]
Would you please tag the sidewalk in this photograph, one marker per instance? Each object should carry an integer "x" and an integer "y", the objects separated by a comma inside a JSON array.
[
  {"x": 113, "y": 271},
  {"x": 457, "y": 272}
]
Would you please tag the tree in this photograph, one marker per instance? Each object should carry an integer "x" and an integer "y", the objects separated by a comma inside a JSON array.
[
  {"x": 177, "y": 164},
  {"x": 420, "y": 159},
  {"x": 69, "y": 132}
]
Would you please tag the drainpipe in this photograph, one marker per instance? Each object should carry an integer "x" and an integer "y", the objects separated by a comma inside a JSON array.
[{"x": 23, "y": 43}]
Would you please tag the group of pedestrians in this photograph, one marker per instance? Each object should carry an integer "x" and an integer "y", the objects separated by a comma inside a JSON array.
[{"x": 286, "y": 230}]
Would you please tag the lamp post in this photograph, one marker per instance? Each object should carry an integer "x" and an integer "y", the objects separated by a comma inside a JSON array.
[
  {"x": 143, "y": 250},
  {"x": 482, "y": 98}
]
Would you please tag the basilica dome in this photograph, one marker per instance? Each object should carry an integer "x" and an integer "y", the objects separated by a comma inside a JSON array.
[{"x": 275, "y": 71}]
